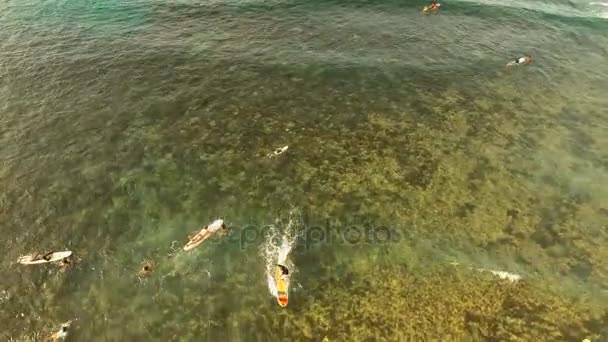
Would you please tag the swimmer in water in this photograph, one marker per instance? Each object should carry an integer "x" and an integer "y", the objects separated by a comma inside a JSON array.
[
  {"x": 62, "y": 333},
  {"x": 145, "y": 270},
  {"x": 205, "y": 233},
  {"x": 520, "y": 61},
  {"x": 65, "y": 264}
]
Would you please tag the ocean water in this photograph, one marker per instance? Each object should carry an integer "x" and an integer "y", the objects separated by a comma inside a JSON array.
[{"x": 127, "y": 125}]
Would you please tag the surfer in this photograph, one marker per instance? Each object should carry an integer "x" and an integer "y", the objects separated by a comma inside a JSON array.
[
  {"x": 521, "y": 60},
  {"x": 40, "y": 256},
  {"x": 432, "y": 7},
  {"x": 62, "y": 333},
  {"x": 282, "y": 282},
  {"x": 65, "y": 264},
  {"x": 145, "y": 270},
  {"x": 284, "y": 272},
  {"x": 278, "y": 151},
  {"x": 205, "y": 233}
]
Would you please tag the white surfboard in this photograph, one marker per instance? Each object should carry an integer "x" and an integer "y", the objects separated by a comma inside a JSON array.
[
  {"x": 204, "y": 234},
  {"x": 193, "y": 242},
  {"x": 278, "y": 151},
  {"x": 34, "y": 259}
]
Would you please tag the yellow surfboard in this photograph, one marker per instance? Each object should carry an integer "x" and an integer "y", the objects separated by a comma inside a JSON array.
[{"x": 282, "y": 285}]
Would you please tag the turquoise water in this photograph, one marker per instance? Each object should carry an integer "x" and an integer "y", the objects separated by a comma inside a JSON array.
[{"x": 127, "y": 125}]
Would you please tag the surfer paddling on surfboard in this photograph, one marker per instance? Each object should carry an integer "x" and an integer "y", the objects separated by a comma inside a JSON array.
[
  {"x": 282, "y": 281},
  {"x": 432, "y": 7},
  {"x": 39, "y": 258},
  {"x": 205, "y": 233},
  {"x": 520, "y": 61}
]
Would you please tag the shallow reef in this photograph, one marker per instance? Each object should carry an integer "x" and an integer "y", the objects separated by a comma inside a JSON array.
[
  {"x": 472, "y": 177},
  {"x": 393, "y": 304}
]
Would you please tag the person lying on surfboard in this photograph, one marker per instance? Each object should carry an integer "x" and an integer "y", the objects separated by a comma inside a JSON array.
[
  {"x": 205, "y": 233},
  {"x": 40, "y": 258},
  {"x": 521, "y": 60},
  {"x": 282, "y": 282}
]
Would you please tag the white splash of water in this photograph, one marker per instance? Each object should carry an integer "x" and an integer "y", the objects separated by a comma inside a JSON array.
[
  {"x": 272, "y": 286},
  {"x": 284, "y": 250},
  {"x": 274, "y": 254},
  {"x": 512, "y": 277}
]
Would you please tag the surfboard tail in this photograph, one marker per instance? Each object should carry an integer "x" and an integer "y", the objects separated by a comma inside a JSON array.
[
  {"x": 282, "y": 299},
  {"x": 25, "y": 259}
]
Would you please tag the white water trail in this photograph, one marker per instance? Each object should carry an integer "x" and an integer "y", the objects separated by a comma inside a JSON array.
[
  {"x": 274, "y": 253},
  {"x": 284, "y": 251},
  {"x": 512, "y": 277}
]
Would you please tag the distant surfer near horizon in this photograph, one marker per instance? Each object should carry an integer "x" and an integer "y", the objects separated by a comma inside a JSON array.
[
  {"x": 434, "y": 6},
  {"x": 205, "y": 233},
  {"x": 521, "y": 60}
]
